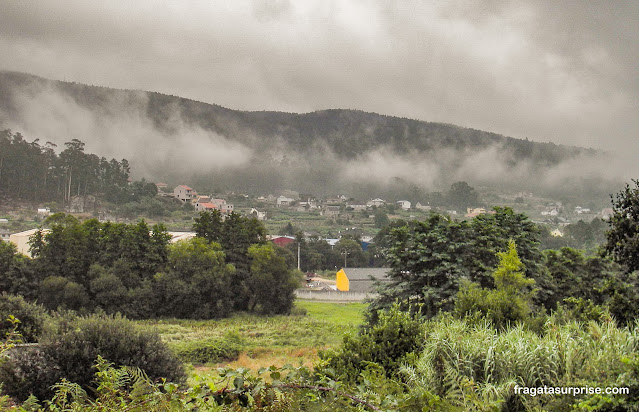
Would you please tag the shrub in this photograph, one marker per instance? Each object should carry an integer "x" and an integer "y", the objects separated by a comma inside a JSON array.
[
  {"x": 70, "y": 351},
  {"x": 208, "y": 350},
  {"x": 32, "y": 317},
  {"x": 506, "y": 305},
  {"x": 393, "y": 340},
  {"x": 299, "y": 311}
]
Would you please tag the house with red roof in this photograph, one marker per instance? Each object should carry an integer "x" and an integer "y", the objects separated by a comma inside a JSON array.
[{"x": 184, "y": 193}]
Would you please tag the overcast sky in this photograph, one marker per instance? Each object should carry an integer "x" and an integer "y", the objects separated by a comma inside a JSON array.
[{"x": 562, "y": 71}]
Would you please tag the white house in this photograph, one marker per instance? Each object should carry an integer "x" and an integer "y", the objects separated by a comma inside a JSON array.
[
  {"x": 551, "y": 212},
  {"x": 357, "y": 208},
  {"x": 404, "y": 204},
  {"x": 580, "y": 210},
  {"x": 376, "y": 202},
  {"x": 184, "y": 193},
  {"x": 257, "y": 214}
]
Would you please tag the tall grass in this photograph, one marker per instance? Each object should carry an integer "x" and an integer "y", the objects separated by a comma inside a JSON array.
[{"x": 476, "y": 367}]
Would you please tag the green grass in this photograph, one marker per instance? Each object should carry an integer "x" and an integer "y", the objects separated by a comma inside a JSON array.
[
  {"x": 335, "y": 313},
  {"x": 263, "y": 340},
  {"x": 324, "y": 325}
]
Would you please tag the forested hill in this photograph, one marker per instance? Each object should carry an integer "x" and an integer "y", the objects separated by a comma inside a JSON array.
[
  {"x": 126, "y": 123},
  {"x": 349, "y": 132}
]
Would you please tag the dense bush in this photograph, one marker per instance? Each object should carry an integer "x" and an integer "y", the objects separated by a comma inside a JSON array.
[
  {"x": 511, "y": 300},
  {"x": 70, "y": 351},
  {"x": 32, "y": 317},
  {"x": 209, "y": 350},
  {"x": 393, "y": 340}
]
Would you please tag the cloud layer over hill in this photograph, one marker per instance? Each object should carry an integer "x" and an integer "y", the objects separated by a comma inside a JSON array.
[{"x": 168, "y": 138}]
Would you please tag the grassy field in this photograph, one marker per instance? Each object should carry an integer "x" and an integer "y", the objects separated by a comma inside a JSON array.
[{"x": 266, "y": 341}]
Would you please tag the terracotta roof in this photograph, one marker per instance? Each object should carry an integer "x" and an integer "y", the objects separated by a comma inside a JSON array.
[{"x": 208, "y": 205}]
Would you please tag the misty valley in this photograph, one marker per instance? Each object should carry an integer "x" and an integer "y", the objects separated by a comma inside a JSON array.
[{"x": 159, "y": 253}]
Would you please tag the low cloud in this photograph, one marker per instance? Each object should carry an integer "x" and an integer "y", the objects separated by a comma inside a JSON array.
[{"x": 119, "y": 128}]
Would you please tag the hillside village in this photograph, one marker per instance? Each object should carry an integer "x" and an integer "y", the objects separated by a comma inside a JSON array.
[{"x": 287, "y": 212}]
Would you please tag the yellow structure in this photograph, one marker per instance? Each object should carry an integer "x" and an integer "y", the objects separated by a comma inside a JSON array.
[
  {"x": 342, "y": 281},
  {"x": 21, "y": 240}
]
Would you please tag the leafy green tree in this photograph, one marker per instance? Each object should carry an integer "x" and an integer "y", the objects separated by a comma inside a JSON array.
[
  {"x": 351, "y": 252},
  {"x": 508, "y": 303},
  {"x": 461, "y": 196},
  {"x": 272, "y": 283},
  {"x": 622, "y": 243},
  {"x": 17, "y": 273},
  {"x": 107, "y": 289},
  {"x": 381, "y": 219},
  {"x": 429, "y": 259},
  {"x": 57, "y": 292},
  {"x": 235, "y": 233},
  {"x": 393, "y": 341},
  {"x": 205, "y": 281},
  {"x": 31, "y": 317}
]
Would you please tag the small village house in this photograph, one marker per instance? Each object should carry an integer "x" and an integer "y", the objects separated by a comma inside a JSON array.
[
  {"x": 184, "y": 193},
  {"x": 404, "y": 204},
  {"x": 5, "y": 233},
  {"x": 331, "y": 212},
  {"x": 283, "y": 201},
  {"x": 376, "y": 202},
  {"x": 419, "y": 206},
  {"x": 257, "y": 214}
]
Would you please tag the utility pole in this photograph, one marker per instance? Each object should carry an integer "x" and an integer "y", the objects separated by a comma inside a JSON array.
[{"x": 298, "y": 255}]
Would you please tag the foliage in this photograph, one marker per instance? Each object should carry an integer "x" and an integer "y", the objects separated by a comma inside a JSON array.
[
  {"x": 595, "y": 279},
  {"x": 387, "y": 344},
  {"x": 197, "y": 283},
  {"x": 352, "y": 251},
  {"x": 511, "y": 300},
  {"x": 315, "y": 254},
  {"x": 32, "y": 318},
  {"x": 430, "y": 259},
  {"x": 271, "y": 284},
  {"x": 35, "y": 172},
  {"x": 235, "y": 233},
  {"x": 17, "y": 275},
  {"x": 70, "y": 349},
  {"x": 475, "y": 367},
  {"x": 623, "y": 236},
  {"x": 462, "y": 196},
  {"x": 209, "y": 350},
  {"x": 581, "y": 310}
]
